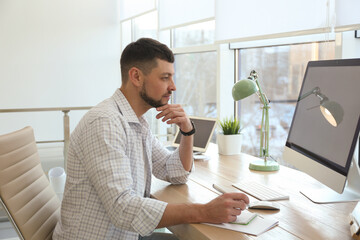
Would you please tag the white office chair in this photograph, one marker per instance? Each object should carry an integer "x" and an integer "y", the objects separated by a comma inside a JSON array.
[{"x": 25, "y": 193}]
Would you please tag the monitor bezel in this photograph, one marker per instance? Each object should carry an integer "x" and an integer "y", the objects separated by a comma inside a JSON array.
[{"x": 323, "y": 161}]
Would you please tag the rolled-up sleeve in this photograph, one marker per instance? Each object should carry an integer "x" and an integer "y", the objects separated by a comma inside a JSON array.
[
  {"x": 167, "y": 165},
  {"x": 148, "y": 216}
]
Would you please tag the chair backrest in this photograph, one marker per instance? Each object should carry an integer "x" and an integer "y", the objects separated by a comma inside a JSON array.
[{"x": 25, "y": 190}]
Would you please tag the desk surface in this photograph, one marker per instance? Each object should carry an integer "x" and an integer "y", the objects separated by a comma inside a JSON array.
[{"x": 299, "y": 218}]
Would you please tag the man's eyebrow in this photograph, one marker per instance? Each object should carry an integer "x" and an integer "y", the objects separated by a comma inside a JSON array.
[{"x": 167, "y": 74}]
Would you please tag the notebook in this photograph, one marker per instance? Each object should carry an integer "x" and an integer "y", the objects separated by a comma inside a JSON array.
[
  {"x": 245, "y": 218},
  {"x": 204, "y": 131},
  {"x": 255, "y": 227}
]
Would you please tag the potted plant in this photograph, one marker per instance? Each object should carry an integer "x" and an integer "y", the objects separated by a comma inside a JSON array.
[{"x": 229, "y": 139}]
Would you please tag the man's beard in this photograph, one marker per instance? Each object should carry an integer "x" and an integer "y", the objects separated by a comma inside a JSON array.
[{"x": 152, "y": 102}]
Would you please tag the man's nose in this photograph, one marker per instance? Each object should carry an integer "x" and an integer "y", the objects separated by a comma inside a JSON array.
[{"x": 172, "y": 86}]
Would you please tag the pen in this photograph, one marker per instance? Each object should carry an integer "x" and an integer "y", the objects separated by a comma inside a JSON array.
[{"x": 220, "y": 189}]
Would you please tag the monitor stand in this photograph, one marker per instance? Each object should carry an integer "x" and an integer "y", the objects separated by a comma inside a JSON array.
[{"x": 351, "y": 190}]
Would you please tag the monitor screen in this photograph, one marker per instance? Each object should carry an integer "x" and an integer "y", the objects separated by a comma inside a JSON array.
[
  {"x": 325, "y": 126},
  {"x": 204, "y": 131},
  {"x": 337, "y": 84}
]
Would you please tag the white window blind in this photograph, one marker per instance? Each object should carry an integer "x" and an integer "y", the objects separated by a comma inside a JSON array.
[
  {"x": 347, "y": 15},
  {"x": 132, "y": 8},
  {"x": 244, "y": 20},
  {"x": 175, "y": 13}
]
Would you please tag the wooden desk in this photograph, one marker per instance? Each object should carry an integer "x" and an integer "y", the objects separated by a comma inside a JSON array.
[{"x": 299, "y": 218}]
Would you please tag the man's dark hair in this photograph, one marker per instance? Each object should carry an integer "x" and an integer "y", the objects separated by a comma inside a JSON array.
[{"x": 143, "y": 54}]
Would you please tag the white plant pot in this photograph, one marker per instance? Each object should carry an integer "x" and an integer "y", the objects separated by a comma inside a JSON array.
[{"x": 229, "y": 144}]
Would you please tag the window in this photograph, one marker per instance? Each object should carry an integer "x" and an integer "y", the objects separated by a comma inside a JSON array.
[
  {"x": 194, "y": 34},
  {"x": 146, "y": 26},
  {"x": 195, "y": 79},
  {"x": 125, "y": 33},
  {"x": 280, "y": 70}
]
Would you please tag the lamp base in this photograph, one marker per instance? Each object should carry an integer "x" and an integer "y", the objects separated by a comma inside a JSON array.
[{"x": 261, "y": 165}]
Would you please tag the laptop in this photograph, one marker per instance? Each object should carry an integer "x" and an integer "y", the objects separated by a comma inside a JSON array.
[{"x": 204, "y": 130}]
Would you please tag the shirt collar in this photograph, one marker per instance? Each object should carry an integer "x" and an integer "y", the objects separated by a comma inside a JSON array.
[{"x": 126, "y": 109}]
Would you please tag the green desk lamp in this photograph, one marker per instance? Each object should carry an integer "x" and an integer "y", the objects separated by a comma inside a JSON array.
[{"x": 243, "y": 89}]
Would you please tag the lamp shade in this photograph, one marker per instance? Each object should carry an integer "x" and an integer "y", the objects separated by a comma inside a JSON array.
[
  {"x": 243, "y": 89},
  {"x": 332, "y": 112}
]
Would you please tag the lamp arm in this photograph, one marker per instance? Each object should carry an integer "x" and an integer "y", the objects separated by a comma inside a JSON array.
[
  {"x": 264, "y": 138},
  {"x": 315, "y": 90},
  {"x": 322, "y": 97},
  {"x": 253, "y": 76}
]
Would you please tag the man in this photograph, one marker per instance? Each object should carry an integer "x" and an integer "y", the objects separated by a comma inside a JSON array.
[{"x": 112, "y": 155}]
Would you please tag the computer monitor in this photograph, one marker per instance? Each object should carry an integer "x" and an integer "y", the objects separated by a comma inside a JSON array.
[{"x": 324, "y": 132}]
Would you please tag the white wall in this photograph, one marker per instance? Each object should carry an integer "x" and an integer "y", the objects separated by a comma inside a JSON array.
[{"x": 54, "y": 54}]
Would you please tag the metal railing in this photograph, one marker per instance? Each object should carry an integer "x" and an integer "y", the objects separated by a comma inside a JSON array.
[{"x": 66, "y": 122}]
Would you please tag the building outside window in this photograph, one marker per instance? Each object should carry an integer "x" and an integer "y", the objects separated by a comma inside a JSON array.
[
  {"x": 196, "y": 69},
  {"x": 195, "y": 79},
  {"x": 194, "y": 34}
]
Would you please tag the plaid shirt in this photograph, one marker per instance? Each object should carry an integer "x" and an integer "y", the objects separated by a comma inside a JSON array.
[{"x": 106, "y": 195}]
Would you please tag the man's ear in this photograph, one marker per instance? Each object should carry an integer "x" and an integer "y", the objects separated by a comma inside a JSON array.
[{"x": 136, "y": 76}]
